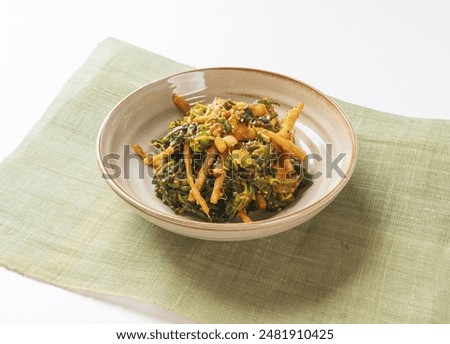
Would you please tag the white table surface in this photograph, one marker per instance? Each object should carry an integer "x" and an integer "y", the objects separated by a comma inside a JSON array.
[{"x": 389, "y": 55}]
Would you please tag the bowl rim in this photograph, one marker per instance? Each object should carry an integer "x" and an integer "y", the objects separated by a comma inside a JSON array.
[{"x": 231, "y": 227}]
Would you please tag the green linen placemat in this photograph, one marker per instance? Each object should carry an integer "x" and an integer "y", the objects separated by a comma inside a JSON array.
[{"x": 380, "y": 253}]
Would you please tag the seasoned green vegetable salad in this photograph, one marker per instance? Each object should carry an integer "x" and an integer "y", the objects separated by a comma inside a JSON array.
[{"x": 225, "y": 159}]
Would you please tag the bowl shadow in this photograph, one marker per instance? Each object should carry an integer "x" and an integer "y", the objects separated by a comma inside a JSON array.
[{"x": 280, "y": 278}]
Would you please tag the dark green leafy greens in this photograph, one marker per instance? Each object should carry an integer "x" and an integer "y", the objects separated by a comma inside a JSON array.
[{"x": 236, "y": 167}]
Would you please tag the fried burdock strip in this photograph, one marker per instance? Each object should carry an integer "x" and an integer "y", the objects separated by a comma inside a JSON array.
[
  {"x": 190, "y": 179},
  {"x": 260, "y": 201},
  {"x": 220, "y": 174},
  {"x": 285, "y": 144},
  {"x": 181, "y": 103},
  {"x": 289, "y": 120},
  {"x": 203, "y": 173},
  {"x": 154, "y": 160},
  {"x": 243, "y": 214}
]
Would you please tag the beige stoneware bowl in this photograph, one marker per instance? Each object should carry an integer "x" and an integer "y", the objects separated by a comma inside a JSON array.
[{"x": 145, "y": 114}]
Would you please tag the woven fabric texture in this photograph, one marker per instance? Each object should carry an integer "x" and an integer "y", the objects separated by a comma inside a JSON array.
[{"x": 380, "y": 253}]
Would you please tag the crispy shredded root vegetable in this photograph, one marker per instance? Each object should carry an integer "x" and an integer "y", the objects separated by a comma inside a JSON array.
[
  {"x": 217, "y": 191},
  {"x": 157, "y": 159},
  {"x": 289, "y": 121},
  {"x": 261, "y": 201},
  {"x": 245, "y": 218},
  {"x": 181, "y": 103},
  {"x": 285, "y": 166},
  {"x": 228, "y": 158},
  {"x": 188, "y": 164},
  {"x": 202, "y": 174},
  {"x": 138, "y": 150},
  {"x": 145, "y": 157},
  {"x": 218, "y": 183},
  {"x": 285, "y": 144},
  {"x": 286, "y": 163}
]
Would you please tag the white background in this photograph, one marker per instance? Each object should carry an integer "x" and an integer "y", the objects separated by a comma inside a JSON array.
[{"x": 389, "y": 55}]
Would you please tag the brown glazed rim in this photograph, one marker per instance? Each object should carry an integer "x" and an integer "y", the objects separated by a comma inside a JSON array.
[{"x": 207, "y": 226}]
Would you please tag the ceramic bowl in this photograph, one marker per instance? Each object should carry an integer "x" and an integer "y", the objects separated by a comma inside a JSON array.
[{"x": 322, "y": 130}]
